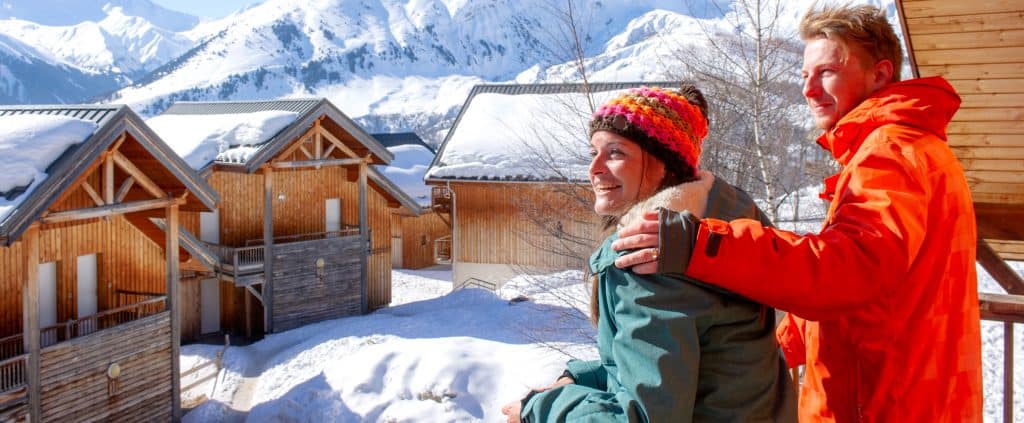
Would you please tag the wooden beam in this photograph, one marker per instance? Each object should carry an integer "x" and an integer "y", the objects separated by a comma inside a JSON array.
[
  {"x": 364, "y": 233},
  {"x": 123, "y": 191},
  {"x": 254, "y": 293},
  {"x": 117, "y": 144},
  {"x": 317, "y": 163},
  {"x": 108, "y": 179},
  {"x": 318, "y": 139},
  {"x": 109, "y": 210},
  {"x": 30, "y": 318},
  {"x": 998, "y": 269},
  {"x": 306, "y": 152},
  {"x": 330, "y": 149},
  {"x": 298, "y": 143},
  {"x": 140, "y": 177},
  {"x": 174, "y": 306},
  {"x": 268, "y": 249},
  {"x": 92, "y": 193},
  {"x": 336, "y": 142}
]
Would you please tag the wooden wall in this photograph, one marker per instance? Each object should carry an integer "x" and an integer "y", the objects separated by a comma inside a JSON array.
[
  {"x": 302, "y": 211},
  {"x": 978, "y": 47},
  {"x": 73, "y": 375},
  {"x": 304, "y": 293},
  {"x": 418, "y": 235},
  {"x": 515, "y": 224},
  {"x": 126, "y": 260}
]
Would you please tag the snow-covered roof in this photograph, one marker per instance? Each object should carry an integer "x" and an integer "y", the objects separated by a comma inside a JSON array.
[
  {"x": 228, "y": 138},
  {"x": 412, "y": 158},
  {"x": 523, "y": 132},
  {"x": 44, "y": 149},
  {"x": 29, "y": 144},
  {"x": 251, "y": 132}
]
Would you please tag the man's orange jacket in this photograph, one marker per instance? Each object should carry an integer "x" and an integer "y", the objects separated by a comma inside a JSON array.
[{"x": 885, "y": 296}]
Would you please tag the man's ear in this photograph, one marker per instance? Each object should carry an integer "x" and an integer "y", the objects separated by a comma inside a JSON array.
[{"x": 881, "y": 74}]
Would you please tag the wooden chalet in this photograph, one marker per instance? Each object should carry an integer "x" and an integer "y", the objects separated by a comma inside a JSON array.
[
  {"x": 512, "y": 176},
  {"x": 414, "y": 230},
  {"x": 302, "y": 232},
  {"x": 89, "y": 315},
  {"x": 978, "y": 47}
]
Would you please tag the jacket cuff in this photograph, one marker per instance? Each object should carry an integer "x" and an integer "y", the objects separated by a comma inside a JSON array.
[{"x": 677, "y": 233}]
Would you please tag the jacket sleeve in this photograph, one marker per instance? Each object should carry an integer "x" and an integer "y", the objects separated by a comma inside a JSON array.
[
  {"x": 588, "y": 373},
  {"x": 876, "y": 230},
  {"x": 790, "y": 335},
  {"x": 658, "y": 370}
]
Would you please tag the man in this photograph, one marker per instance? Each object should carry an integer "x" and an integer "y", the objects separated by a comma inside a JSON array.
[{"x": 883, "y": 301}]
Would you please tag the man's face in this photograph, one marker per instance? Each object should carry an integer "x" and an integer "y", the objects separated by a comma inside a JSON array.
[{"x": 834, "y": 86}]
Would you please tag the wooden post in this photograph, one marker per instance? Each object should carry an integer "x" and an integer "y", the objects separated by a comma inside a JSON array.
[
  {"x": 108, "y": 179},
  {"x": 248, "y": 314},
  {"x": 1008, "y": 371},
  {"x": 268, "y": 249},
  {"x": 363, "y": 232},
  {"x": 318, "y": 141},
  {"x": 174, "y": 306},
  {"x": 30, "y": 318}
]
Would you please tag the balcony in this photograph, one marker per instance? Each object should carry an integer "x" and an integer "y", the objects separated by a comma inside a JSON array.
[{"x": 244, "y": 265}]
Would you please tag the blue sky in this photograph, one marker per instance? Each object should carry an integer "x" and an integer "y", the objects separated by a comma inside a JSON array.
[{"x": 206, "y": 8}]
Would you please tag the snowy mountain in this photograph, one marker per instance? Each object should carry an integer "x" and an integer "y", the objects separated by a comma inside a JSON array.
[
  {"x": 401, "y": 64},
  {"x": 394, "y": 65},
  {"x": 70, "y": 13},
  {"x": 74, "y": 51},
  {"x": 28, "y": 75}
]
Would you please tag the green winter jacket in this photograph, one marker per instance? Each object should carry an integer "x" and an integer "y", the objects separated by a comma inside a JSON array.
[{"x": 672, "y": 349}]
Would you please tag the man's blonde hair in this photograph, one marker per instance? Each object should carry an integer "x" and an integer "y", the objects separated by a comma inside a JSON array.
[{"x": 863, "y": 26}]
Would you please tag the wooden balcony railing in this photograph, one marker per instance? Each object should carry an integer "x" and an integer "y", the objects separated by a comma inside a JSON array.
[
  {"x": 75, "y": 328},
  {"x": 11, "y": 346},
  {"x": 12, "y": 375},
  {"x": 1008, "y": 309},
  {"x": 284, "y": 239}
]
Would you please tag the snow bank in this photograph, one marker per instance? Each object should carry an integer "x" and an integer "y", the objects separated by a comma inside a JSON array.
[
  {"x": 233, "y": 138},
  {"x": 28, "y": 145},
  {"x": 436, "y": 356}
]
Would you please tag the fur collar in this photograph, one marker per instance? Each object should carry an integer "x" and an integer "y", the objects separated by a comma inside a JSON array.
[{"x": 692, "y": 196}]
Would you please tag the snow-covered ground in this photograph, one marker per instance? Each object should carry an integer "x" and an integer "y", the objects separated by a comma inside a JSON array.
[{"x": 442, "y": 356}]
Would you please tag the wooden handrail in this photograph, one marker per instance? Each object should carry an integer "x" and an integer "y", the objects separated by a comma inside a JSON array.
[
  {"x": 1001, "y": 307},
  {"x": 12, "y": 373}
]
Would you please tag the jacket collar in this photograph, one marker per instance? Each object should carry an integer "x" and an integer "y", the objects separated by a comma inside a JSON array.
[
  {"x": 692, "y": 196},
  {"x": 925, "y": 103}
]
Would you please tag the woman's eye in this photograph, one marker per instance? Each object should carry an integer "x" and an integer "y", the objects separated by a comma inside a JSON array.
[
  {"x": 615, "y": 153},
  {"x": 593, "y": 153}
]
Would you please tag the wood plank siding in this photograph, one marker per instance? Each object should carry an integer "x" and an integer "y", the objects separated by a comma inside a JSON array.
[
  {"x": 418, "y": 234},
  {"x": 126, "y": 260},
  {"x": 978, "y": 47},
  {"x": 305, "y": 292},
  {"x": 505, "y": 223},
  {"x": 74, "y": 381}
]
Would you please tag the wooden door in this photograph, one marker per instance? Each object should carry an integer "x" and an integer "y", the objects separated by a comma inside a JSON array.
[
  {"x": 209, "y": 303},
  {"x": 209, "y": 226},
  {"x": 47, "y": 294},
  {"x": 332, "y": 213}
]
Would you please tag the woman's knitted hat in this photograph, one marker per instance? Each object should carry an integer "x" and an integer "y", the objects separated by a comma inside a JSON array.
[{"x": 663, "y": 122}]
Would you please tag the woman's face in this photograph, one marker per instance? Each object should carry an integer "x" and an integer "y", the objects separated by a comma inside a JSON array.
[{"x": 621, "y": 173}]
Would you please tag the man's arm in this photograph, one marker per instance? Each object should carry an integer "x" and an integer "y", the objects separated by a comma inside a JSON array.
[{"x": 877, "y": 228}]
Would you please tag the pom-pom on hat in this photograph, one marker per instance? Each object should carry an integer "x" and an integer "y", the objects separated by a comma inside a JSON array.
[{"x": 663, "y": 122}]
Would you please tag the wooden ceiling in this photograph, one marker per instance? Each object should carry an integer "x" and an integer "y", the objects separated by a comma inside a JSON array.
[{"x": 978, "y": 46}]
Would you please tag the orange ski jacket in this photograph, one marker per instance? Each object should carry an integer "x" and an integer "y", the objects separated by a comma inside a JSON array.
[{"x": 883, "y": 301}]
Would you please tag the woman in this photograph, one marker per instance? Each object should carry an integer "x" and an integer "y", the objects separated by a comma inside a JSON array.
[{"x": 671, "y": 349}]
